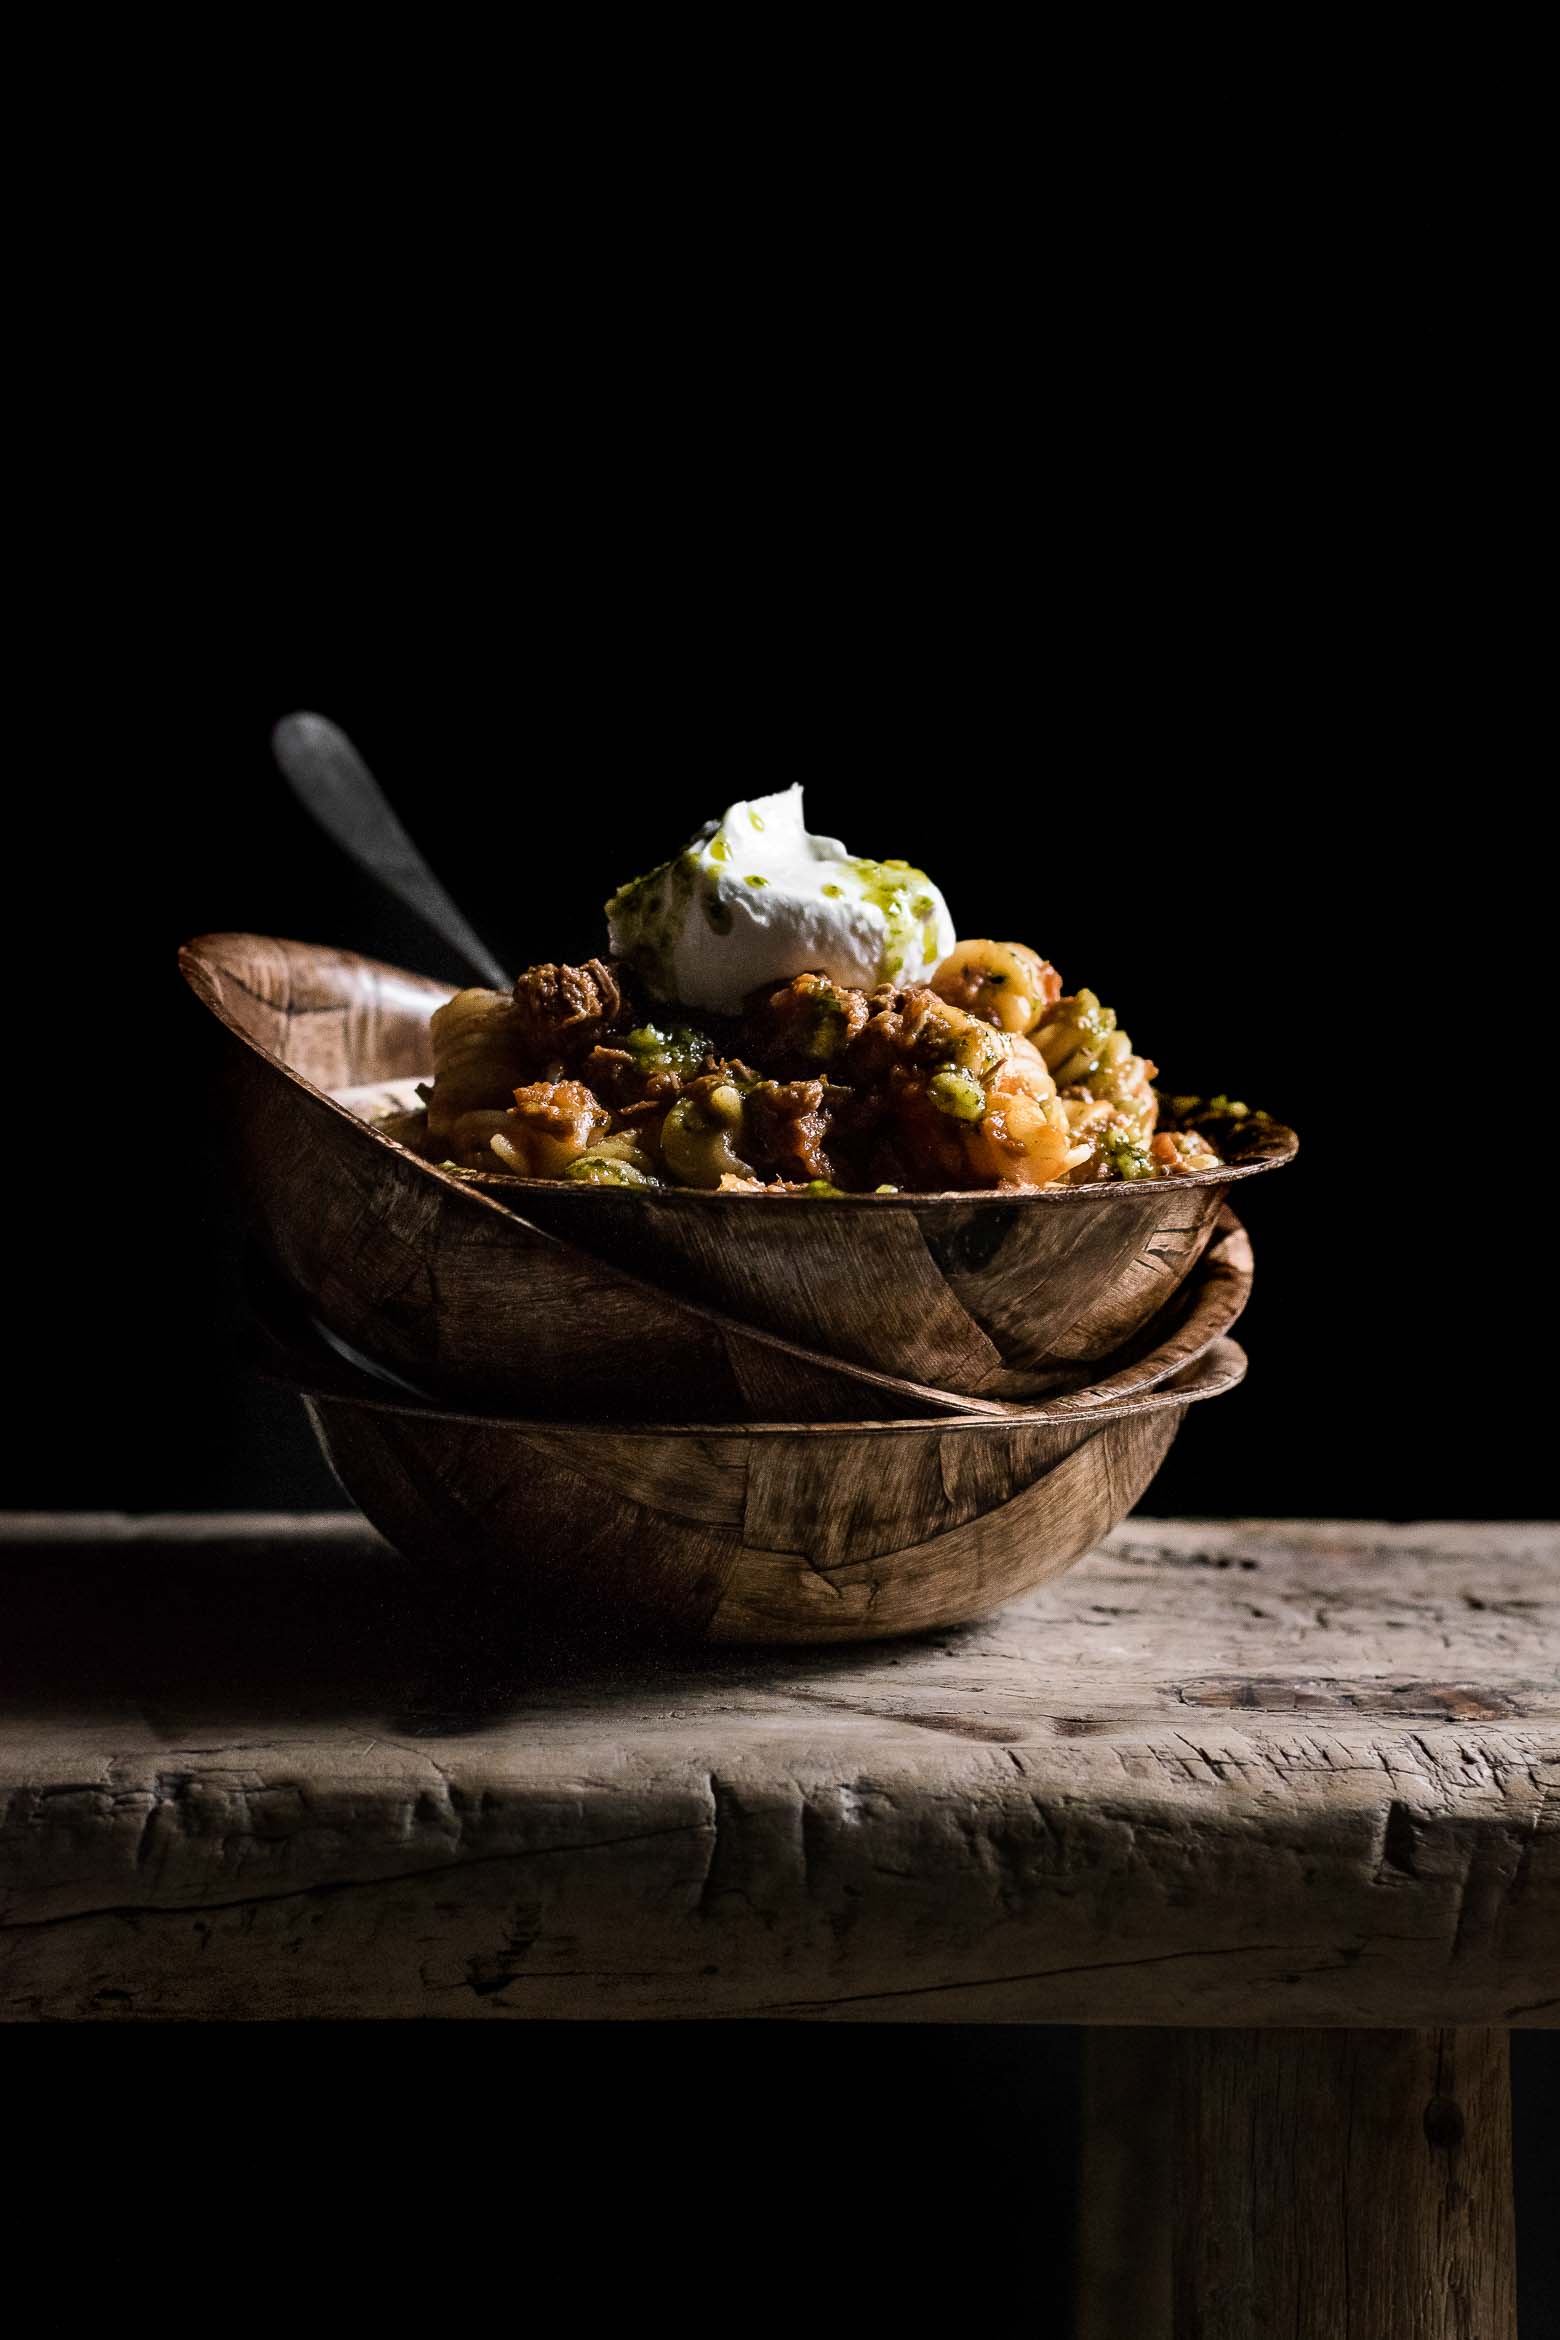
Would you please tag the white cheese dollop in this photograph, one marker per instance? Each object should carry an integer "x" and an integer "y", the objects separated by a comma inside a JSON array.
[{"x": 755, "y": 900}]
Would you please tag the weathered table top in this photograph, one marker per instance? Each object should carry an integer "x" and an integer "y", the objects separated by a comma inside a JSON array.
[{"x": 1237, "y": 1772}]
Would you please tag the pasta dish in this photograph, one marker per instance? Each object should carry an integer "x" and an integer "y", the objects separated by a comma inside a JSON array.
[{"x": 871, "y": 1052}]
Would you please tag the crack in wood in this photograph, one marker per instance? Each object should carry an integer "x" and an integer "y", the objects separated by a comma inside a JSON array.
[{"x": 1103, "y": 1789}]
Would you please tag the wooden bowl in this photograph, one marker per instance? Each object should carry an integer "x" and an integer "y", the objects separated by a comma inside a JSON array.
[
  {"x": 759, "y": 1532},
  {"x": 502, "y": 1289}
]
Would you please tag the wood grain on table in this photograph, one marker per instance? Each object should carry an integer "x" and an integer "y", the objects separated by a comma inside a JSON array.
[{"x": 1223, "y": 1773}]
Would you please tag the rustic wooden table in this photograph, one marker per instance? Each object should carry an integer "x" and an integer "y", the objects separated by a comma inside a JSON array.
[{"x": 1289, "y": 1789}]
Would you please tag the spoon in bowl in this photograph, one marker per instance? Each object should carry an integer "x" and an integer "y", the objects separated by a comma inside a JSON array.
[{"x": 332, "y": 782}]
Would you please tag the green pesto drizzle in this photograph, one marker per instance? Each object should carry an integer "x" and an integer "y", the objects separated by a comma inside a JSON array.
[
  {"x": 658, "y": 903},
  {"x": 908, "y": 911}
]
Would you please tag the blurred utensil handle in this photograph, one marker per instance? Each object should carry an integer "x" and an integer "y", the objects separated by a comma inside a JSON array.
[{"x": 331, "y": 781}]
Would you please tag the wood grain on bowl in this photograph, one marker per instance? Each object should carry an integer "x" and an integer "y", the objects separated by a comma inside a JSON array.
[
  {"x": 605, "y": 1300},
  {"x": 764, "y": 1531},
  {"x": 428, "y": 1277},
  {"x": 333, "y": 1017},
  {"x": 991, "y": 1295}
]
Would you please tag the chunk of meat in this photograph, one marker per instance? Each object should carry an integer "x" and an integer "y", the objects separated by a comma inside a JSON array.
[
  {"x": 562, "y": 1011},
  {"x": 785, "y": 1124},
  {"x": 915, "y": 1027},
  {"x": 917, "y": 1145},
  {"x": 550, "y": 1125},
  {"x": 809, "y": 1021},
  {"x": 619, "y": 1077}
]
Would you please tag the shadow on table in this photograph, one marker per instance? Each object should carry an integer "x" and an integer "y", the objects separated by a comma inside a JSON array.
[{"x": 255, "y": 1628}]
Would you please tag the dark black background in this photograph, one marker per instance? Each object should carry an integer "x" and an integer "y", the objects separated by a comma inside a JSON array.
[
  {"x": 1283, "y": 879},
  {"x": 1184, "y": 650}
]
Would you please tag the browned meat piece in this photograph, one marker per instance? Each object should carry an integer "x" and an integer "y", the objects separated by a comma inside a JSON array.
[
  {"x": 551, "y": 1124},
  {"x": 916, "y": 1027},
  {"x": 785, "y": 1124},
  {"x": 562, "y": 1011},
  {"x": 808, "y": 1021},
  {"x": 925, "y": 1148},
  {"x": 613, "y": 1075},
  {"x": 621, "y": 1080},
  {"x": 651, "y": 1108}
]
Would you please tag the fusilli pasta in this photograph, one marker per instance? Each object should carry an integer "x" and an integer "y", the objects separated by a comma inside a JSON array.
[{"x": 987, "y": 1076}]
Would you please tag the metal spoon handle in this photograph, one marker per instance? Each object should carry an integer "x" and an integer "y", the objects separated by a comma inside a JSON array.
[{"x": 331, "y": 781}]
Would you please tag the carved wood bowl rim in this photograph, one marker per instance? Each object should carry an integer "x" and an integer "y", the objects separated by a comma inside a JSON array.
[{"x": 1272, "y": 1148}]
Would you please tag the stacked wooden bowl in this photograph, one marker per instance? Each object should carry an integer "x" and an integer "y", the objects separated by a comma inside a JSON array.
[{"x": 727, "y": 1416}]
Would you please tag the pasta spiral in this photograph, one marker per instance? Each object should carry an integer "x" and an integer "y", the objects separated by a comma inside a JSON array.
[
  {"x": 1093, "y": 1062},
  {"x": 987, "y": 1076},
  {"x": 480, "y": 1057}
]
